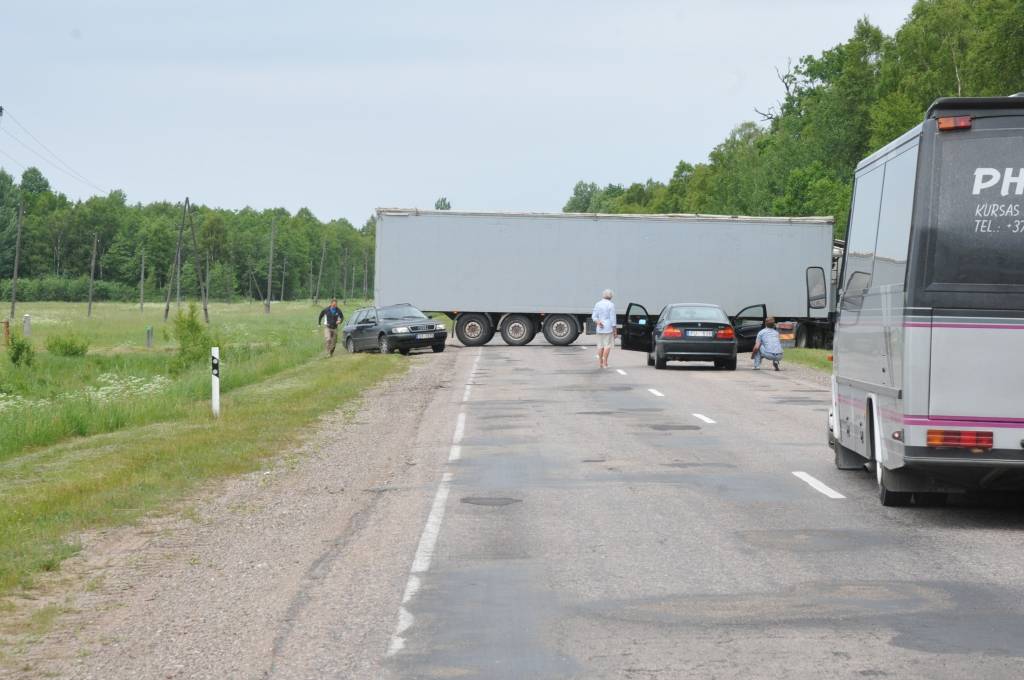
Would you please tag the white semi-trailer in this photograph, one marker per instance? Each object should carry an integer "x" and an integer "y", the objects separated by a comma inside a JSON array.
[{"x": 518, "y": 274}]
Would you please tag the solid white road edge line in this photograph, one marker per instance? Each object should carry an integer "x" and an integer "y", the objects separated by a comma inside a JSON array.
[
  {"x": 428, "y": 539},
  {"x": 620, "y": 371},
  {"x": 655, "y": 392},
  {"x": 818, "y": 485},
  {"x": 460, "y": 428},
  {"x": 700, "y": 416}
]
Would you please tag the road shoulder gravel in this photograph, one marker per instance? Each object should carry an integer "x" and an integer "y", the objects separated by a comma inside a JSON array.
[{"x": 221, "y": 585}]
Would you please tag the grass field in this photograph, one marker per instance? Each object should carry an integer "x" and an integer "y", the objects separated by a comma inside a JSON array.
[
  {"x": 99, "y": 440},
  {"x": 814, "y": 358}
]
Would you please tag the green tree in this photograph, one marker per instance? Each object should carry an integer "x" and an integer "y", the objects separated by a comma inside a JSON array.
[{"x": 442, "y": 204}]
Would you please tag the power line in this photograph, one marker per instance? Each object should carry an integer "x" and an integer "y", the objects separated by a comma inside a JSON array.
[
  {"x": 51, "y": 163},
  {"x": 60, "y": 163},
  {"x": 13, "y": 159}
]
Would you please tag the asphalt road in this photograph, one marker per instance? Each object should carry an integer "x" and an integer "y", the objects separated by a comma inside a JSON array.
[
  {"x": 633, "y": 523},
  {"x": 516, "y": 512}
]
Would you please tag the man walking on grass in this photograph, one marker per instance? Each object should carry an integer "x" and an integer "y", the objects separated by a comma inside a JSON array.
[
  {"x": 604, "y": 319},
  {"x": 333, "y": 317}
]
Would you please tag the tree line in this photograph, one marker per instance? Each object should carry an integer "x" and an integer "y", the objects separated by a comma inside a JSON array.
[
  {"x": 233, "y": 248},
  {"x": 836, "y": 108}
]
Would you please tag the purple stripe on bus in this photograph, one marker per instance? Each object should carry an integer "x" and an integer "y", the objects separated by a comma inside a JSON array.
[
  {"x": 997, "y": 326},
  {"x": 954, "y": 421}
]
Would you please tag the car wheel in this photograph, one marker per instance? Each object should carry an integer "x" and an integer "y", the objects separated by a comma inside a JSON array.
[
  {"x": 437, "y": 348},
  {"x": 384, "y": 345},
  {"x": 350, "y": 346},
  {"x": 650, "y": 359},
  {"x": 660, "y": 362},
  {"x": 730, "y": 364},
  {"x": 560, "y": 329},
  {"x": 517, "y": 330},
  {"x": 473, "y": 329},
  {"x": 404, "y": 351}
]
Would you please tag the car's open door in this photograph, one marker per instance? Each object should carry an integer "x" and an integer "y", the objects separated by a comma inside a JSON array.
[
  {"x": 638, "y": 330},
  {"x": 748, "y": 323}
]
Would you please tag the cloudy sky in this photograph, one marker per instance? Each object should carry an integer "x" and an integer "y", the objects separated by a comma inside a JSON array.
[{"x": 343, "y": 107}]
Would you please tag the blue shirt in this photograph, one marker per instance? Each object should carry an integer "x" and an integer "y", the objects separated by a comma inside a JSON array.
[
  {"x": 604, "y": 311},
  {"x": 770, "y": 342}
]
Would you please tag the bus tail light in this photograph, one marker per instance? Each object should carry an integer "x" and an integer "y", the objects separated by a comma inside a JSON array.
[
  {"x": 726, "y": 333},
  {"x": 671, "y": 332},
  {"x": 960, "y": 439},
  {"x": 955, "y": 123}
]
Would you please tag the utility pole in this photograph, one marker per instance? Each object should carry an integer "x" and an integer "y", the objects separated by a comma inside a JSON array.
[
  {"x": 270, "y": 269},
  {"x": 17, "y": 252},
  {"x": 284, "y": 268},
  {"x": 198, "y": 263},
  {"x": 142, "y": 282},
  {"x": 323, "y": 253},
  {"x": 92, "y": 271},
  {"x": 176, "y": 270}
]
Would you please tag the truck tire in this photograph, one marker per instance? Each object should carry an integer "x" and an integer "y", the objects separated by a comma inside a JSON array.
[
  {"x": 473, "y": 329},
  {"x": 801, "y": 335},
  {"x": 518, "y": 329},
  {"x": 561, "y": 329}
]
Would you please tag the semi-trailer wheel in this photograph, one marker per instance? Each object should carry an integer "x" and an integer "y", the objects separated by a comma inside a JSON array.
[
  {"x": 518, "y": 329},
  {"x": 560, "y": 329},
  {"x": 473, "y": 329},
  {"x": 801, "y": 335}
]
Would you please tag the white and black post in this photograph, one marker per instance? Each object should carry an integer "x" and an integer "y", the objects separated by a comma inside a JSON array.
[{"x": 215, "y": 379}]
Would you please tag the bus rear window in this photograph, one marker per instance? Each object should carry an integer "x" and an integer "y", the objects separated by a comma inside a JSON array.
[{"x": 978, "y": 212}]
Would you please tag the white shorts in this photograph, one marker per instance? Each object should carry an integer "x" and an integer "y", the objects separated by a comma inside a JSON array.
[{"x": 605, "y": 340}]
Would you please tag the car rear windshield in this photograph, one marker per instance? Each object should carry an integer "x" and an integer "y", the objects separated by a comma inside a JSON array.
[
  {"x": 696, "y": 314},
  {"x": 978, "y": 211},
  {"x": 402, "y": 312}
]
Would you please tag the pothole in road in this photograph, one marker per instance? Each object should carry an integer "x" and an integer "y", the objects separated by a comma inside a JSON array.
[
  {"x": 674, "y": 427},
  {"x": 491, "y": 501}
]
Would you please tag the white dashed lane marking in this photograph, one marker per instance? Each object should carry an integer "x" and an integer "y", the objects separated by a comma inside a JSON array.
[
  {"x": 620, "y": 371},
  {"x": 655, "y": 392},
  {"x": 701, "y": 416},
  {"x": 818, "y": 485}
]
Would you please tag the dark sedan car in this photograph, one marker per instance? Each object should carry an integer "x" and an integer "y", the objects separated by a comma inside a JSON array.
[
  {"x": 691, "y": 332},
  {"x": 398, "y": 327}
]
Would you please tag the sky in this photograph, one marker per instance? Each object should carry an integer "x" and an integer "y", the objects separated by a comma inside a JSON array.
[{"x": 345, "y": 107}]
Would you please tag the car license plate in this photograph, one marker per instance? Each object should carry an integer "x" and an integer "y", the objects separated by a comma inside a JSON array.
[
  {"x": 424, "y": 336},
  {"x": 699, "y": 334}
]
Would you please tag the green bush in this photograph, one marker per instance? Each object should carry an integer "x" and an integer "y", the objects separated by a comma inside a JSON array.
[
  {"x": 21, "y": 352},
  {"x": 194, "y": 341},
  {"x": 68, "y": 345}
]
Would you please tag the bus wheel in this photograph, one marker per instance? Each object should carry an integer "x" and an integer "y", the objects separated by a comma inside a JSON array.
[
  {"x": 518, "y": 329},
  {"x": 890, "y": 499},
  {"x": 560, "y": 329},
  {"x": 473, "y": 329}
]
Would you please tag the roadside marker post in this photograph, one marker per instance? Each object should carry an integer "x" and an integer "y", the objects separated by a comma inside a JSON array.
[
  {"x": 149, "y": 337},
  {"x": 215, "y": 379},
  {"x": 26, "y": 326}
]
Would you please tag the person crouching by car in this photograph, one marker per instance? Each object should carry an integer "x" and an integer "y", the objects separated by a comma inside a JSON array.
[
  {"x": 768, "y": 345},
  {"x": 332, "y": 316}
]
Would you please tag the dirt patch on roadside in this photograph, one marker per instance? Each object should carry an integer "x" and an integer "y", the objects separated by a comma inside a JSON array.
[{"x": 212, "y": 587}]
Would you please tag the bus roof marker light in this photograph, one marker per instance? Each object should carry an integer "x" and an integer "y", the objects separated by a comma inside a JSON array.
[{"x": 947, "y": 123}]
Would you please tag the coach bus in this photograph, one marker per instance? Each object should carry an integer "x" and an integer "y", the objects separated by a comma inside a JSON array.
[{"x": 928, "y": 377}]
